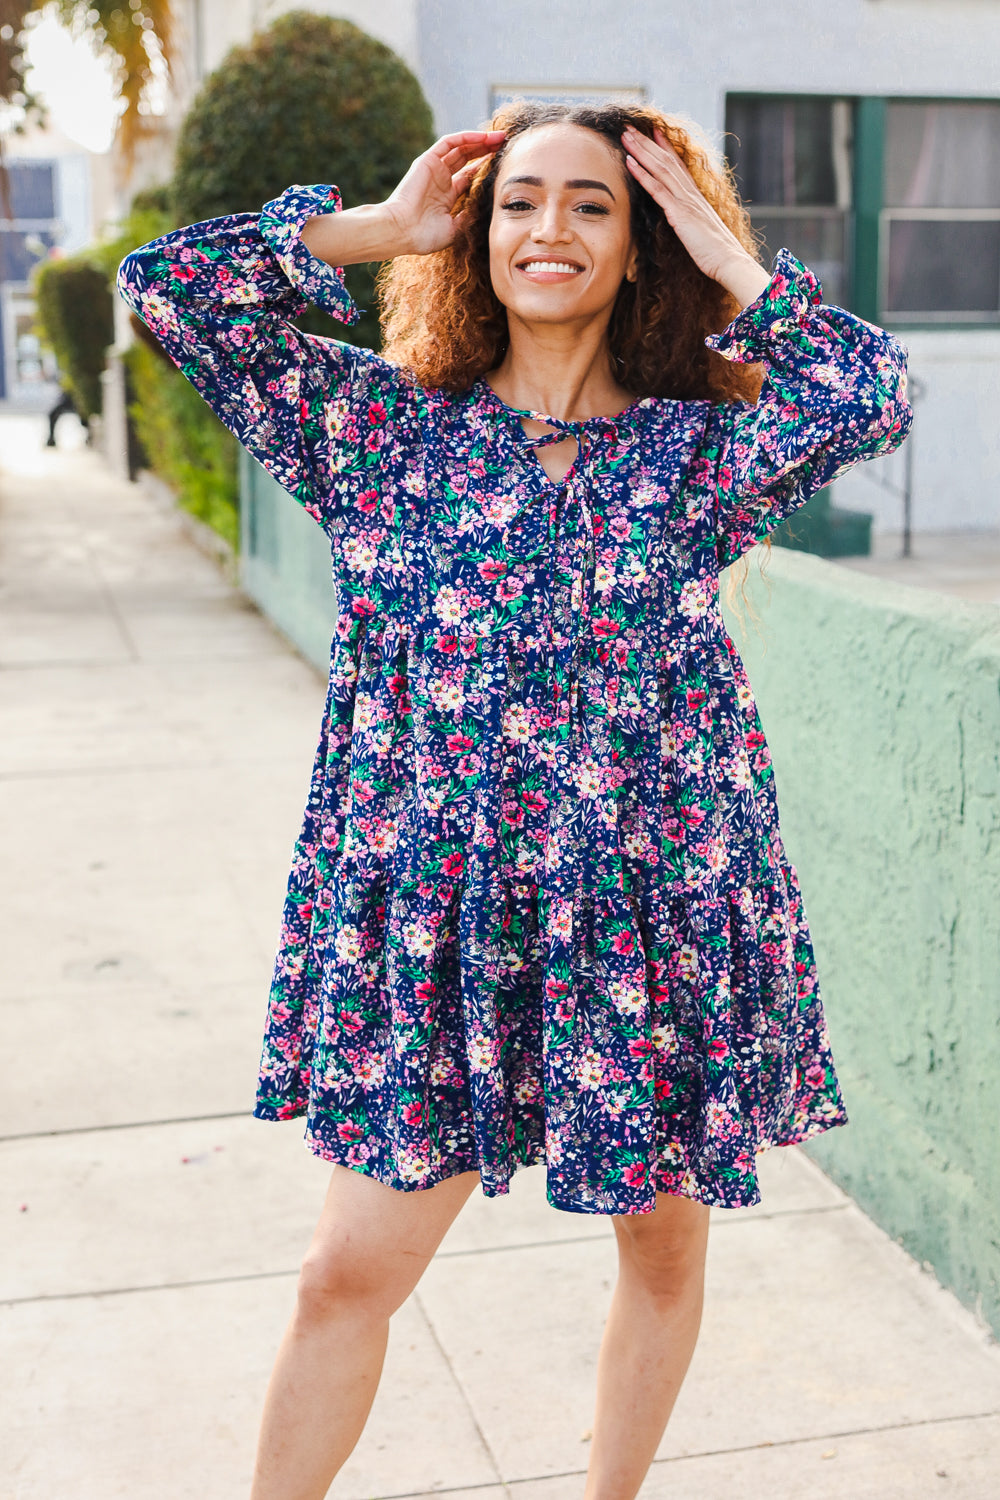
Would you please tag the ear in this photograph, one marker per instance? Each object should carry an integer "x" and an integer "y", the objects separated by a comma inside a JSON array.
[{"x": 632, "y": 268}]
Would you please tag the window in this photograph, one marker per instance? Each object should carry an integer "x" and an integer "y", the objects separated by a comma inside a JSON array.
[
  {"x": 792, "y": 160},
  {"x": 894, "y": 203},
  {"x": 940, "y": 240},
  {"x": 32, "y": 190},
  {"x": 547, "y": 93}
]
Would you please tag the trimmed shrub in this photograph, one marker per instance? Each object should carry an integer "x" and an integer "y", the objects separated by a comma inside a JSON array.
[
  {"x": 184, "y": 442},
  {"x": 74, "y": 302},
  {"x": 75, "y": 312},
  {"x": 311, "y": 99}
]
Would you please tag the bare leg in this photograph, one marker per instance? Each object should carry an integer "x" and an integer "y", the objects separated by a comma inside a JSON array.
[
  {"x": 369, "y": 1250},
  {"x": 648, "y": 1340}
]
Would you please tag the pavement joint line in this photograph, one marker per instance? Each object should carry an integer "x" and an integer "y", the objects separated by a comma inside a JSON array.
[
  {"x": 127, "y": 768},
  {"x": 112, "y": 606},
  {"x": 42, "y": 1135},
  {"x": 463, "y": 1393},
  {"x": 680, "y": 1458},
  {"x": 472, "y": 1251}
]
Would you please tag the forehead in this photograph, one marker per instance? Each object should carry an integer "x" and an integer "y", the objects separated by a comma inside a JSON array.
[{"x": 560, "y": 151}]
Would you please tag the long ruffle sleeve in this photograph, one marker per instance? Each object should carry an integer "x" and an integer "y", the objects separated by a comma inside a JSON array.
[
  {"x": 834, "y": 395},
  {"x": 219, "y": 295}
]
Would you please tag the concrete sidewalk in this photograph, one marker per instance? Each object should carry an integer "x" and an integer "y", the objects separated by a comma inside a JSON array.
[{"x": 155, "y": 744}]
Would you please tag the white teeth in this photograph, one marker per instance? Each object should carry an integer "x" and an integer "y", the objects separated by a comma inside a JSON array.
[{"x": 550, "y": 265}]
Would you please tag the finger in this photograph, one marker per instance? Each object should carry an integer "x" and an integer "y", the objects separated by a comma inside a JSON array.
[
  {"x": 461, "y": 181},
  {"x": 459, "y": 158},
  {"x": 468, "y": 141},
  {"x": 656, "y": 189},
  {"x": 645, "y": 150},
  {"x": 670, "y": 158}
]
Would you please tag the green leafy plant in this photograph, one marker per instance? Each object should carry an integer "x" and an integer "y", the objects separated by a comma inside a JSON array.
[
  {"x": 74, "y": 301},
  {"x": 184, "y": 442},
  {"x": 75, "y": 314},
  {"x": 311, "y": 99}
]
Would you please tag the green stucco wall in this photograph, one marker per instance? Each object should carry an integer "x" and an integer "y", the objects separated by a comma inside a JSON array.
[
  {"x": 285, "y": 563},
  {"x": 881, "y": 704},
  {"x": 882, "y": 707}
]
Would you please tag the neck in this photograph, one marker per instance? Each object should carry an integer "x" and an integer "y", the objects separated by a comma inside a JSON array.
[{"x": 563, "y": 370}]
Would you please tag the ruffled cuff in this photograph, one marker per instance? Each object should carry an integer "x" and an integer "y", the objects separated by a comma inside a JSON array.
[
  {"x": 281, "y": 221},
  {"x": 783, "y": 305}
]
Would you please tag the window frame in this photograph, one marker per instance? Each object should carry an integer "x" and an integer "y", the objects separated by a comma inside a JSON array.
[{"x": 868, "y": 218}]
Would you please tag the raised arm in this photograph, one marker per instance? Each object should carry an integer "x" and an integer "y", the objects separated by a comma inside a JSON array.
[
  {"x": 833, "y": 396},
  {"x": 219, "y": 295},
  {"x": 835, "y": 388}
]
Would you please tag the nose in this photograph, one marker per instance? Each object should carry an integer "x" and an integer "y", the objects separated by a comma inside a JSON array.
[{"x": 552, "y": 226}]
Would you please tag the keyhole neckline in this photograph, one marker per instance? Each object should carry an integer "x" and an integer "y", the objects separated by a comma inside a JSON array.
[{"x": 563, "y": 428}]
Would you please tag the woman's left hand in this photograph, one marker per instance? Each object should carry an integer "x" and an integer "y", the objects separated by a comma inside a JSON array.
[{"x": 711, "y": 245}]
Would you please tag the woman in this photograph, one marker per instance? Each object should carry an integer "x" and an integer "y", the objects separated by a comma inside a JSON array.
[{"x": 540, "y": 909}]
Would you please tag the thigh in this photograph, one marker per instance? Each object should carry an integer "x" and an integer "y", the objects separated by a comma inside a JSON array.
[{"x": 378, "y": 1239}]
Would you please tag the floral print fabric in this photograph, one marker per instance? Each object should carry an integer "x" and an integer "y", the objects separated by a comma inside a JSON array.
[{"x": 540, "y": 908}]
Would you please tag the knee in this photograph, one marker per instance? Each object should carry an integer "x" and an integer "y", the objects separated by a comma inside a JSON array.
[
  {"x": 336, "y": 1280},
  {"x": 666, "y": 1260}
]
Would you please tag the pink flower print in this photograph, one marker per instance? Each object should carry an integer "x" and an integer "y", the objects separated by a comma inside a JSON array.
[
  {"x": 635, "y": 1174},
  {"x": 816, "y": 1075}
]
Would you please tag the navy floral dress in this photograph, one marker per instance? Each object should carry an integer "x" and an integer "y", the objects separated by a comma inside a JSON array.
[{"x": 540, "y": 908}]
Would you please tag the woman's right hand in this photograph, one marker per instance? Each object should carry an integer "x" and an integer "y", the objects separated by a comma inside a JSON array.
[
  {"x": 421, "y": 206},
  {"x": 416, "y": 218}
]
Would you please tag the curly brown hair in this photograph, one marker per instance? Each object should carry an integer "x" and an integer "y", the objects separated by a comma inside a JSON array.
[{"x": 443, "y": 322}]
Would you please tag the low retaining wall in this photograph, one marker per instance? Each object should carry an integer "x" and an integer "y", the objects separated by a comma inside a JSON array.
[
  {"x": 881, "y": 704},
  {"x": 285, "y": 563}
]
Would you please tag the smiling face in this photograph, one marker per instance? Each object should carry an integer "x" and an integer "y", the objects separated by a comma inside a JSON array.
[{"x": 560, "y": 234}]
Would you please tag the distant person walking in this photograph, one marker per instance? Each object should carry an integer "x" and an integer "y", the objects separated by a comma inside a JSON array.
[
  {"x": 540, "y": 909},
  {"x": 65, "y": 407}
]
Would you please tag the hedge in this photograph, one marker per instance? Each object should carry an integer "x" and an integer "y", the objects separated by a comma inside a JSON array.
[
  {"x": 184, "y": 442},
  {"x": 74, "y": 303},
  {"x": 74, "y": 307}
]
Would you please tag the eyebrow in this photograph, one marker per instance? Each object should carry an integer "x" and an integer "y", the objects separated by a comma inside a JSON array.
[{"x": 574, "y": 183}]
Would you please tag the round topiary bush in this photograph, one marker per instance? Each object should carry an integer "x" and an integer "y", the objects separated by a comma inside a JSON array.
[{"x": 311, "y": 99}]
